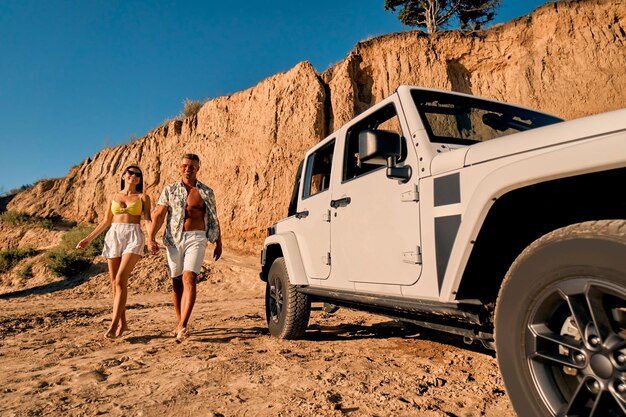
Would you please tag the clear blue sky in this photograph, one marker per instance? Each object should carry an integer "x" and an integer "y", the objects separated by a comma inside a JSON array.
[{"x": 76, "y": 76}]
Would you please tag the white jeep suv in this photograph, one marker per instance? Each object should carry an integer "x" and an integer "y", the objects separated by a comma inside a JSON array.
[{"x": 495, "y": 222}]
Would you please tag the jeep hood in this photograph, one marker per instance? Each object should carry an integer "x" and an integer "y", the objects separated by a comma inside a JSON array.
[{"x": 544, "y": 137}]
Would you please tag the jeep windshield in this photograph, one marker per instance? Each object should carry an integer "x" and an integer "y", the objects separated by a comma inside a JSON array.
[{"x": 463, "y": 120}]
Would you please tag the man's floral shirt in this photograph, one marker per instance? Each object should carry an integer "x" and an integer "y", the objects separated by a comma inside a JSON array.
[{"x": 174, "y": 196}]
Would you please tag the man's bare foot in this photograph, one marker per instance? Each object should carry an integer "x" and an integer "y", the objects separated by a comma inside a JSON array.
[{"x": 178, "y": 329}]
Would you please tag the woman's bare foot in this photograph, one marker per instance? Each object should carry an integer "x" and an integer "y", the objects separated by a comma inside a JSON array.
[
  {"x": 121, "y": 329},
  {"x": 182, "y": 335},
  {"x": 110, "y": 334}
]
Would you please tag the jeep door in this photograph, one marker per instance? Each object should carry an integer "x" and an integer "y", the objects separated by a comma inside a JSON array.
[
  {"x": 313, "y": 226},
  {"x": 375, "y": 229}
]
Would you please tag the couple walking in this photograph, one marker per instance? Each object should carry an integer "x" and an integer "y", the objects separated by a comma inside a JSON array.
[{"x": 191, "y": 213}]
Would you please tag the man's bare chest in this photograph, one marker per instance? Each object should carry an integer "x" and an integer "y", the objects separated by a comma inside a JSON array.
[{"x": 194, "y": 201}]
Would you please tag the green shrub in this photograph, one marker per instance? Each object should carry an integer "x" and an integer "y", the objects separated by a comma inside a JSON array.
[
  {"x": 191, "y": 107},
  {"x": 9, "y": 257},
  {"x": 76, "y": 234},
  {"x": 66, "y": 260},
  {"x": 46, "y": 224},
  {"x": 26, "y": 272},
  {"x": 15, "y": 218},
  {"x": 65, "y": 263}
]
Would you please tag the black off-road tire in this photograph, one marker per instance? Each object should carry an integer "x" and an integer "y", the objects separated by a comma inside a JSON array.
[
  {"x": 560, "y": 329},
  {"x": 287, "y": 311}
]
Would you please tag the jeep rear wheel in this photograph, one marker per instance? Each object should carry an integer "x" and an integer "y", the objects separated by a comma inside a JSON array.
[
  {"x": 287, "y": 311},
  {"x": 561, "y": 323}
]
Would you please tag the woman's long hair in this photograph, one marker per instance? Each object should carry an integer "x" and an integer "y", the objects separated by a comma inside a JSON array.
[{"x": 140, "y": 185}]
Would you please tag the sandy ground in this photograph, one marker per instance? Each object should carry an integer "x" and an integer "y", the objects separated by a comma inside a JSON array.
[{"x": 54, "y": 360}]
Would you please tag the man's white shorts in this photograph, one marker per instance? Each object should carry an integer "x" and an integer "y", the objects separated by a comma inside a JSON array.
[
  {"x": 188, "y": 254},
  {"x": 123, "y": 238}
]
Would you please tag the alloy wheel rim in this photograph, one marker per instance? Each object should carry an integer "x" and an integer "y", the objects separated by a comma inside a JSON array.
[
  {"x": 276, "y": 299},
  {"x": 584, "y": 372}
]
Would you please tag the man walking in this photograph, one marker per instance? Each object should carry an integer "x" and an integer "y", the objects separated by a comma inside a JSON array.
[{"x": 191, "y": 223}]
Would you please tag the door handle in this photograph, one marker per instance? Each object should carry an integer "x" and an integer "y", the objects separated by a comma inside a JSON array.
[
  {"x": 342, "y": 202},
  {"x": 302, "y": 214}
]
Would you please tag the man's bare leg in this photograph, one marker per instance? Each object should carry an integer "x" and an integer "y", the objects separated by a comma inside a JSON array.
[
  {"x": 177, "y": 295},
  {"x": 188, "y": 301}
]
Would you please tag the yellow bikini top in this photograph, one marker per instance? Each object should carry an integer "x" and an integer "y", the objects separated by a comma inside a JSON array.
[{"x": 133, "y": 208}]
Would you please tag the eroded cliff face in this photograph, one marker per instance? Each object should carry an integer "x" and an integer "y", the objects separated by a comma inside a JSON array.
[
  {"x": 566, "y": 58},
  {"x": 249, "y": 144}
]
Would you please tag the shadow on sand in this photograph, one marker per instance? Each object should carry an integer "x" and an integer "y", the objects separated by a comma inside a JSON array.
[
  {"x": 225, "y": 335},
  {"x": 319, "y": 333},
  {"x": 145, "y": 339},
  {"x": 389, "y": 329},
  {"x": 208, "y": 335}
]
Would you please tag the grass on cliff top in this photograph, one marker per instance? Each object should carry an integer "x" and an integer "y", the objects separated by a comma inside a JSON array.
[
  {"x": 14, "y": 191},
  {"x": 190, "y": 108}
]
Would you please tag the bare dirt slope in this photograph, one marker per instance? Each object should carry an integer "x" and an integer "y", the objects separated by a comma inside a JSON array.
[{"x": 54, "y": 360}]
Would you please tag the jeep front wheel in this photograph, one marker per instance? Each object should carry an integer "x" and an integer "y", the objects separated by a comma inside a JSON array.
[
  {"x": 287, "y": 311},
  {"x": 561, "y": 323}
]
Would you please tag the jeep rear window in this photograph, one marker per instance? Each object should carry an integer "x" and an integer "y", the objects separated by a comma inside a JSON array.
[
  {"x": 293, "y": 202},
  {"x": 461, "y": 120},
  {"x": 318, "y": 167}
]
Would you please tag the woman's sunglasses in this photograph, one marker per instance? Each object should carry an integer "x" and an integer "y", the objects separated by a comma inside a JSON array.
[{"x": 135, "y": 173}]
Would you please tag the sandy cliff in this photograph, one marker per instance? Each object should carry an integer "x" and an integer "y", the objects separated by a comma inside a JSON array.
[{"x": 566, "y": 58}]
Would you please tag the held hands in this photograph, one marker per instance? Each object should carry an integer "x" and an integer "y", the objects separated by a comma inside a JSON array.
[{"x": 153, "y": 247}]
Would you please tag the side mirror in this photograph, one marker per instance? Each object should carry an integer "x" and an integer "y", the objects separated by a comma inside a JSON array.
[
  {"x": 382, "y": 147},
  {"x": 376, "y": 146}
]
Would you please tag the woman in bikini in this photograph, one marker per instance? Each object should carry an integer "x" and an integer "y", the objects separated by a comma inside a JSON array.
[{"x": 124, "y": 242}]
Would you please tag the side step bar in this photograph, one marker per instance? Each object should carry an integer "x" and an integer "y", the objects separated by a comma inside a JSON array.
[{"x": 460, "y": 319}]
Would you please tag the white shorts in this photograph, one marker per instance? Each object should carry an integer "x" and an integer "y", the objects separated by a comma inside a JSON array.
[
  {"x": 123, "y": 238},
  {"x": 188, "y": 254}
]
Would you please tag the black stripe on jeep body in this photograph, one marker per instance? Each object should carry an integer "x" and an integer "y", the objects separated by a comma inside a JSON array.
[
  {"x": 446, "y": 228},
  {"x": 447, "y": 190}
]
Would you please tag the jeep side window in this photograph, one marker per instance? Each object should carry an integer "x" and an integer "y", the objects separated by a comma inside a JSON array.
[
  {"x": 318, "y": 167},
  {"x": 384, "y": 119}
]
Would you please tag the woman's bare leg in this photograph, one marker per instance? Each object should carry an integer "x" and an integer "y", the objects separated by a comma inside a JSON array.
[
  {"x": 114, "y": 266},
  {"x": 118, "y": 319}
]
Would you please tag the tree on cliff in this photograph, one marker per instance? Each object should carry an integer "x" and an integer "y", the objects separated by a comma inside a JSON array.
[{"x": 433, "y": 14}]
